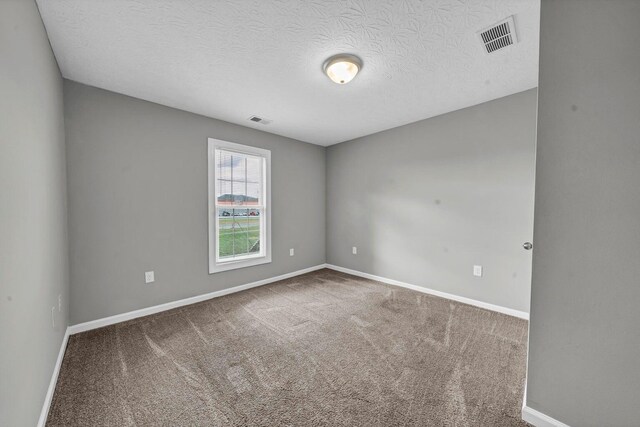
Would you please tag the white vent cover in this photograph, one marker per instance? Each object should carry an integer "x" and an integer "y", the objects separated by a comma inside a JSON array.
[
  {"x": 499, "y": 36},
  {"x": 260, "y": 120}
]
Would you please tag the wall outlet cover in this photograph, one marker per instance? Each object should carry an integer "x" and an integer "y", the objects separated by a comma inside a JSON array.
[
  {"x": 354, "y": 250},
  {"x": 149, "y": 277},
  {"x": 292, "y": 252},
  {"x": 477, "y": 270}
]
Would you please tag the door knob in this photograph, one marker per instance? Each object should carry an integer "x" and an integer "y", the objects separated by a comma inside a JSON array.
[{"x": 528, "y": 246}]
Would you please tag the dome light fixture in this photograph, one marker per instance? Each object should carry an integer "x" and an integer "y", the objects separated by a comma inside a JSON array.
[{"x": 342, "y": 68}]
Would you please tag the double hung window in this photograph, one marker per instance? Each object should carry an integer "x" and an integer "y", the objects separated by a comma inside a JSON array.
[{"x": 239, "y": 206}]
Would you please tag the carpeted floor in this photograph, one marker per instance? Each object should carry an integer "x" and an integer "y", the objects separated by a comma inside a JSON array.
[{"x": 324, "y": 348}]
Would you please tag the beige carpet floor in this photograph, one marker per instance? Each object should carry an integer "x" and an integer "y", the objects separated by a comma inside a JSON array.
[{"x": 320, "y": 349}]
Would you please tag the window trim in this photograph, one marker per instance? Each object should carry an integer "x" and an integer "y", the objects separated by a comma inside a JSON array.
[{"x": 216, "y": 266}]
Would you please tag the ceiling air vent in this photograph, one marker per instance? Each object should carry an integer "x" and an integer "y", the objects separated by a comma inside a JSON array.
[
  {"x": 499, "y": 36},
  {"x": 261, "y": 120}
]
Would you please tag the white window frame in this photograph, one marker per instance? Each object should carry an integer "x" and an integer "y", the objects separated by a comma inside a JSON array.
[{"x": 215, "y": 264}]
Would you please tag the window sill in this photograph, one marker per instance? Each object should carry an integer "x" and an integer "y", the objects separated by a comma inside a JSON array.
[{"x": 241, "y": 263}]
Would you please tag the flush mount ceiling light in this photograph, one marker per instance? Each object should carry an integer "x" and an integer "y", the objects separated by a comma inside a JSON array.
[{"x": 342, "y": 68}]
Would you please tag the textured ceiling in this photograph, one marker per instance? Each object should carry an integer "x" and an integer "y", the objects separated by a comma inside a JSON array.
[{"x": 233, "y": 59}]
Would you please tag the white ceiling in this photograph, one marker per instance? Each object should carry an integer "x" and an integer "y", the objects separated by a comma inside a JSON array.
[{"x": 233, "y": 59}]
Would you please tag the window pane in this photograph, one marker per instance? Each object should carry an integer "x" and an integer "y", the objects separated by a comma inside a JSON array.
[
  {"x": 223, "y": 176},
  {"x": 253, "y": 230},
  {"x": 253, "y": 194},
  {"x": 254, "y": 180},
  {"x": 239, "y": 178},
  {"x": 239, "y": 164},
  {"x": 225, "y": 233},
  {"x": 224, "y": 192},
  {"x": 238, "y": 233}
]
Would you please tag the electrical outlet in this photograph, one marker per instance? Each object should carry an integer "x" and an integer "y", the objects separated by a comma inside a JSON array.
[
  {"x": 149, "y": 277},
  {"x": 354, "y": 250},
  {"x": 59, "y": 302},
  {"x": 292, "y": 252},
  {"x": 53, "y": 317},
  {"x": 477, "y": 270}
]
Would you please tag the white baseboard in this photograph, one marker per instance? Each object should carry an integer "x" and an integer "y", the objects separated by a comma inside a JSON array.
[
  {"x": 106, "y": 321},
  {"x": 481, "y": 304},
  {"x": 54, "y": 380},
  {"x": 539, "y": 419}
]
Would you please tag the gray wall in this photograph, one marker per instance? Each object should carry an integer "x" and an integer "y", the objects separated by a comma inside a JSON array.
[
  {"x": 426, "y": 201},
  {"x": 584, "y": 350},
  {"x": 33, "y": 222},
  {"x": 137, "y": 176}
]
